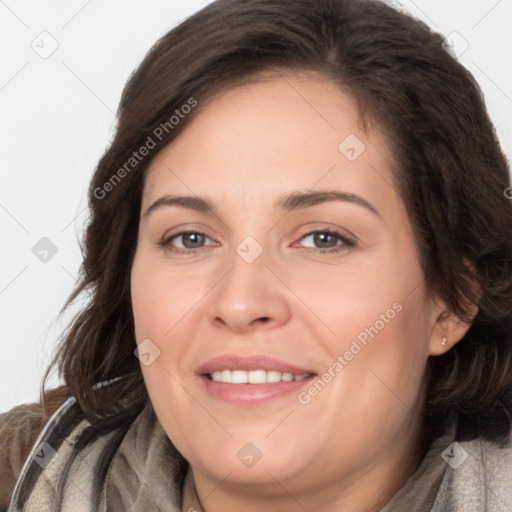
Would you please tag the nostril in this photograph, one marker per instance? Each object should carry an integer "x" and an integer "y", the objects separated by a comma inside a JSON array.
[{"x": 261, "y": 319}]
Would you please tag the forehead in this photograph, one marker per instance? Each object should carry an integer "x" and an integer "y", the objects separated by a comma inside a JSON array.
[{"x": 265, "y": 137}]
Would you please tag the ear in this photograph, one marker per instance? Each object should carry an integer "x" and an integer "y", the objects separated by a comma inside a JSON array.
[{"x": 448, "y": 325}]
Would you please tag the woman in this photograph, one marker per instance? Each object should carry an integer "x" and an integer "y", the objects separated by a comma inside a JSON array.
[{"x": 299, "y": 266}]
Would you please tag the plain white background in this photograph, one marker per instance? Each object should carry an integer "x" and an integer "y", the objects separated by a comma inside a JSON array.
[{"x": 64, "y": 66}]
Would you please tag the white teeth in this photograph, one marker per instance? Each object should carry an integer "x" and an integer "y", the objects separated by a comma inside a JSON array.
[
  {"x": 273, "y": 376},
  {"x": 255, "y": 376},
  {"x": 239, "y": 377}
]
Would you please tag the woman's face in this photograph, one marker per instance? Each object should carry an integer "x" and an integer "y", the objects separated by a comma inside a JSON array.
[{"x": 304, "y": 268}]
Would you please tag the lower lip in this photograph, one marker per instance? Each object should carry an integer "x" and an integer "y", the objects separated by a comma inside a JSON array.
[{"x": 251, "y": 394}]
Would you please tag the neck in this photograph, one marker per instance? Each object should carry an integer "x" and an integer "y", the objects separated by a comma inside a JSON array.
[{"x": 368, "y": 491}]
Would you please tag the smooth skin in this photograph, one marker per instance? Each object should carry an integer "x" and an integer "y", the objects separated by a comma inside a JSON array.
[{"x": 356, "y": 442}]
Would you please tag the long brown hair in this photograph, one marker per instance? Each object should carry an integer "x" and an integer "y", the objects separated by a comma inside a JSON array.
[{"x": 450, "y": 168}]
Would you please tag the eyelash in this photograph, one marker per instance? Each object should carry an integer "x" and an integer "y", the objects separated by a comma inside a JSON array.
[{"x": 347, "y": 242}]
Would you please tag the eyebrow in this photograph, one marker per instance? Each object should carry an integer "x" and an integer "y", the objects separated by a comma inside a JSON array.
[
  {"x": 289, "y": 202},
  {"x": 298, "y": 200}
]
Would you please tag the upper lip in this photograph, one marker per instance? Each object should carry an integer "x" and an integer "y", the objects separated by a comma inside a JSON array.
[{"x": 247, "y": 363}]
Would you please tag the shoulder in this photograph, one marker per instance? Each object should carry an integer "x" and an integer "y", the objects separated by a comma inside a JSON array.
[
  {"x": 19, "y": 429},
  {"x": 69, "y": 449},
  {"x": 478, "y": 477}
]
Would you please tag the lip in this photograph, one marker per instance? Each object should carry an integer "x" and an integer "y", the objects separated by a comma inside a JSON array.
[
  {"x": 251, "y": 394},
  {"x": 247, "y": 363}
]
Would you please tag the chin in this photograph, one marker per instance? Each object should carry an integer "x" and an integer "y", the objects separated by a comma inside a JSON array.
[{"x": 256, "y": 462}]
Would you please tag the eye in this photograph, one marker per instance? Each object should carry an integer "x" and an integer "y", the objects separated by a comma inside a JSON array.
[
  {"x": 190, "y": 242},
  {"x": 324, "y": 241},
  {"x": 327, "y": 240}
]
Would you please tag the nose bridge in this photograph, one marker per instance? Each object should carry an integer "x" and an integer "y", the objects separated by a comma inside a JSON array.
[{"x": 248, "y": 294}]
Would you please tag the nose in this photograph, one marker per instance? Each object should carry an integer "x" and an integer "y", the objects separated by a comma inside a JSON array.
[{"x": 249, "y": 297}]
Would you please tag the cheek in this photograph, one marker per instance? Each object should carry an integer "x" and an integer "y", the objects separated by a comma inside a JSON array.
[
  {"x": 378, "y": 333},
  {"x": 391, "y": 351},
  {"x": 165, "y": 308},
  {"x": 348, "y": 303},
  {"x": 161, "y": 299}
]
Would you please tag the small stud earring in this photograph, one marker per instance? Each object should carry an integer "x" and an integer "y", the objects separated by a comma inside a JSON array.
[{"x": 445, "y": 341}]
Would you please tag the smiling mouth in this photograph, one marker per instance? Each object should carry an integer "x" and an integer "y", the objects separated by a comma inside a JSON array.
[{"x": 255, "y": 376}]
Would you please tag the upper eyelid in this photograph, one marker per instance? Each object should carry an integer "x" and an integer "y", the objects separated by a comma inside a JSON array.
[
  {"x": 340, "y": 231},
  {"x": 179, "y": 230},
  {"x": 185, "y": 232},
  {"x": 323, "y": 226}
]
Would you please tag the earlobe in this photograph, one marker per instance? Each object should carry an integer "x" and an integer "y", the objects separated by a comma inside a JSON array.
[{"x": 448, "y": 331}]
